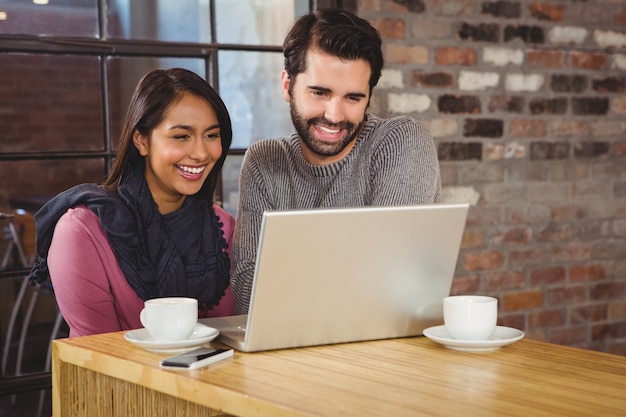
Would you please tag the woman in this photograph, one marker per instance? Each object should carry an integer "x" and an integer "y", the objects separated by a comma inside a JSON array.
[{"x": 151, "y": 229}]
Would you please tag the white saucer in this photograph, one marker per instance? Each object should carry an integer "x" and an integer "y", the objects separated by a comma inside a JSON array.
[
  {"x": 142, "y": 338},
  {"x": 502, "y": 336}
]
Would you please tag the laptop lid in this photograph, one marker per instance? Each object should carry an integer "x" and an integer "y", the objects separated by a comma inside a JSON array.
[{"x": 348, "y": 274}]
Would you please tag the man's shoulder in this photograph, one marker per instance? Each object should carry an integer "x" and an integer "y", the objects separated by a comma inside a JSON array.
[
  {"x": 273, "y": 144},
  {"x": 403, "y": 127},
  {"x": 271, "y": 149},
  {"x": 393, "y": 122}
]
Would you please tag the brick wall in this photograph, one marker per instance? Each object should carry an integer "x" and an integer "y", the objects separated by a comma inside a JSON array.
[{"x": 526, "y": 102}]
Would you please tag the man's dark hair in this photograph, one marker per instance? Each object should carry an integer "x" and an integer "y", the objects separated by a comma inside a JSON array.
[{"x": 336, "y": 32}]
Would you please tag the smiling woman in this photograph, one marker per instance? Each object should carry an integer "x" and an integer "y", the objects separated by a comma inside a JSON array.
[{"x": 151, "y": 230}]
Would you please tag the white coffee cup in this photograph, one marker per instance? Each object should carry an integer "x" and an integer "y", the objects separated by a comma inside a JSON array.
[
  {"x": 470, "y": 317},
  {"x": 170, "y": 318}
]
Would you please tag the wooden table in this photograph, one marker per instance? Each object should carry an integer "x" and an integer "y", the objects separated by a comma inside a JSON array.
[{"x": 105, "y": 376}]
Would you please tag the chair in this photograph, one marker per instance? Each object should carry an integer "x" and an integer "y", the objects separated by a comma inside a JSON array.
[{"x": 20, "y": 236}]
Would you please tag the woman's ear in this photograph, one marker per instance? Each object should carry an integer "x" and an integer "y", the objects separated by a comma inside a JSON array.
[
  {"x": 141, "y": 143},
  {"x": 285, "y": 81}
]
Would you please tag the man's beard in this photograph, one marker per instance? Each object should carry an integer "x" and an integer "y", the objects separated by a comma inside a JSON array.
[{"x": 317, "y": 146}]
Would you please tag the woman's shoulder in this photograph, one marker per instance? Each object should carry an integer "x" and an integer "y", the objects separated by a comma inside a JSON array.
[
  {"x": 80, "y": 215},
  {"x": 225, "y": 217}
]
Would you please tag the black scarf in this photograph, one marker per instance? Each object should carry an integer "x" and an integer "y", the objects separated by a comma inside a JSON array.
[{"x": 177, "y": 254}]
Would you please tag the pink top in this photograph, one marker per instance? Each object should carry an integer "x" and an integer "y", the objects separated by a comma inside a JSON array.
[{"x": 91, "y": 290}]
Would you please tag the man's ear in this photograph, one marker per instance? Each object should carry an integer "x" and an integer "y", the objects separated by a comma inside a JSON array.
[
  {"x": 285, "y": 82},
  {"x": 141, "y": 143}
]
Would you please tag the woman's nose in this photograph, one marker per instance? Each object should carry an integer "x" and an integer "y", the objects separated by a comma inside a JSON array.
[{"x": 198, "y": 149}]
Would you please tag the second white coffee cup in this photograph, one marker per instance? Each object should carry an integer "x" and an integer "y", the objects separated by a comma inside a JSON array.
[
  {"x": 170, "y": 318},
  {"x": 470, "y": 317}
]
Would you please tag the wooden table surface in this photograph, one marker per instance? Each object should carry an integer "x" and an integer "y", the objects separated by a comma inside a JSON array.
[{"x": 104, "y": 375}]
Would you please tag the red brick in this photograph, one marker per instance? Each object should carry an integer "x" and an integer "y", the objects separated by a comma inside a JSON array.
[
  {"x": 608, "y": 291},
  {"x": 600, "y": 331},
  {"x": 528, "y": 128},
  {"x": 525, "y": 257},
  {"x": 588, "y": 313},
  {"x": 523, "y": 300},
  {"x": 401, "y": 54},
  {"x": 503, "y": 280},
  {"x": 434, "y": 79},
  {"x": 452, "y": 55},
  {"x": 547, "y": 318},
  {"x": 483, "y": 260},
  {"x": 517, "y": 321},
  {"x": 609, "y": 249},
  {"x": 568, "y": 336},
  {"x": 545, "y": 11},
  {"x": 527, "y": 213},
  {"x": 617, "y": 309},
  {"x": 619, "y": 105},
  {"x": 570, "y": 128},
  {"x": 545, "y": 59},
  {"x": 547, "y": 276},
  {"x": 620, "y": 18},
  {"x": 617, "y": 348},
  {"x": 518, "y": 235},
  {"x": 391, "y": 28},
  {"x": 465, "y": 285},
  {"x": 484, "y": 217},
  {"x": 619, "y": 148},
  {"x": 574, "y": 252},
  {"x": 589, "y": 272},
  {"x": 618, "y": 329},
  {"x": 555, "y": 232},
  {"x": 568, "y": 212},
  {"x": 588, "y": 60},
  {"x": 451, "y": 9},
  {"x": 570, "y": 294},
  {"x": 473, "y": 238}
]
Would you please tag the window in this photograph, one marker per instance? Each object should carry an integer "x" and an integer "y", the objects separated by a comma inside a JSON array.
[{"x": 68, "y": 68}]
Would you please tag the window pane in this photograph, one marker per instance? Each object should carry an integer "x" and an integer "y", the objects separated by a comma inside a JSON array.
[
  {"x": 50, "y": 102},
  {"x": 27, "y": 184},
  {"x": 164, "y": 20},
  {"x": 125, "y": 73},
  {"x": 58, "y": 18},
  {"x": 230, "y": 183},
  {"x": 256, "y": 22},
  {"x": 250, "y": 87}
]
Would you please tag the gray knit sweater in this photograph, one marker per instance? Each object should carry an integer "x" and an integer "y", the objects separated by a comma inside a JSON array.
[{"x": 394, "y": 162}]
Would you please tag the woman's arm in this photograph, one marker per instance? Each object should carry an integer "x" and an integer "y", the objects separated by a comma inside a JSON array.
[
  {"x": 82, "y": 266},
  {"x": 226, "y": 307}
]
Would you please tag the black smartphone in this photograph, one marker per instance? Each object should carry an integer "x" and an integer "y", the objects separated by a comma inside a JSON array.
[{"x": 196, "y": 358}]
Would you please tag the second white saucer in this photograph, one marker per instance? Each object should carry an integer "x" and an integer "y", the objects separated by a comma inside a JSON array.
[{"x": 502, "y": 336}]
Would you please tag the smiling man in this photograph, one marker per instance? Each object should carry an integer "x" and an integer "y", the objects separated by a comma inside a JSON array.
[{"x": 340, "y": 155}]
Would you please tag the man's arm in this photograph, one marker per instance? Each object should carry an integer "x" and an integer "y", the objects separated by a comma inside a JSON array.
[{"x": 253, "y": 201}]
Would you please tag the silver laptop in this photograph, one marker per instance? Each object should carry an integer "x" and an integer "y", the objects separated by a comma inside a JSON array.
[{"x": 350, "y": 274}]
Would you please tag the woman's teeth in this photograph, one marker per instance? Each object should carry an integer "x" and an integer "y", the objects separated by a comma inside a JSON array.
[{"x": 191, "y": 170}]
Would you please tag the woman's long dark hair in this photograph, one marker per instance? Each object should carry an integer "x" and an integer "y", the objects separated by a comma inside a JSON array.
[{"x": 154, "y": 94}]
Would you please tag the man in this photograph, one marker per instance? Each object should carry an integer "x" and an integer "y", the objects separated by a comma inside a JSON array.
[{"x": 340, "y": 156}]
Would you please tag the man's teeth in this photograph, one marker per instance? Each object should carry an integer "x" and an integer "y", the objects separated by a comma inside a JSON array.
[
  {"x": 327, "y": 130},
  {"x": 192, "y": 170}
]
